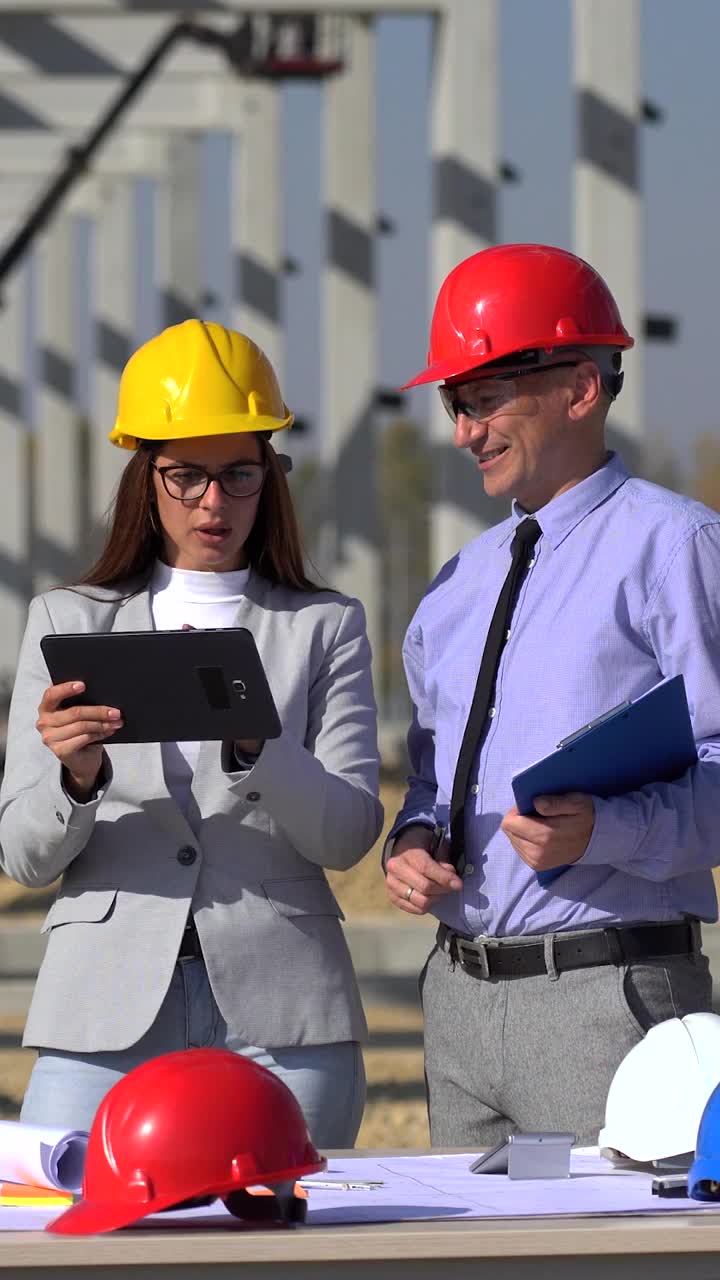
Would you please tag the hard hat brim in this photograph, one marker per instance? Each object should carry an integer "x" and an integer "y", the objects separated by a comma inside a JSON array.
[
  {"x": 94, "y": 1217},
  {"x": 704, "y": 1169},
  {"x": 179, "y": 430},
  {"x": 91, "y": 1217},
  {"x": 455, "y": 366}
]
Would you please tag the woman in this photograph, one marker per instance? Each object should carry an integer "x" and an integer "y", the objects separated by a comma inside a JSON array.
[{"x": 193, "y": 907}]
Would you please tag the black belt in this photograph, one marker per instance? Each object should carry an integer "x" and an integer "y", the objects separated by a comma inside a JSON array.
[
  {"x": 523, "y": 958},
  {"x": 190, "y": 943}
]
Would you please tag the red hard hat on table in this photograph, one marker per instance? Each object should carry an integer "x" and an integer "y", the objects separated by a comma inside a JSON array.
[
  {"x": 518, "y": 297},
  {"x": 199, "y": 1123}
]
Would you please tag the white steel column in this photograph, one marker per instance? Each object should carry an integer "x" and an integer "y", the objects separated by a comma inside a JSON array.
[
  {"x": 351, "y": 558},
  {"x": 607, "y": 180},
  {"x": 15, "y": 445},
  {"x": 256, "y": 202},
  {"x": 179, "y": 241},
  {"x": 465, "y": 160},
  {"x": 16, "y": 441},
  {"x": 114, "y": 266},
  {"x": 59, "y": 497}
]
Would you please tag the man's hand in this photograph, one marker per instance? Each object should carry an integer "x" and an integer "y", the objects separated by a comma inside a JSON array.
[
  {"x": 560, "y": 835},
  {"x": 414, "y": 879}
]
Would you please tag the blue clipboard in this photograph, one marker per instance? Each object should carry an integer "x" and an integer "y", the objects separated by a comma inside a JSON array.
[{"x": 638, "y": 742}]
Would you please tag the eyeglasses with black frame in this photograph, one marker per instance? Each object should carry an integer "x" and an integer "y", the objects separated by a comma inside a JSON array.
[{"x": 188, "y": 484}]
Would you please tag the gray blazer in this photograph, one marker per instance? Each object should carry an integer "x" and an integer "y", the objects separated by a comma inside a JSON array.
[{"x": 249, "y": 859}]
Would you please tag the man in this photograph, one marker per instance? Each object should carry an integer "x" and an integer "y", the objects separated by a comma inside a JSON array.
[{"x": 535, "y": 991}]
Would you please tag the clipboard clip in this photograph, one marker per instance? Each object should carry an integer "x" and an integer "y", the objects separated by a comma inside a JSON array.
[{"x": 607, "y": 715}]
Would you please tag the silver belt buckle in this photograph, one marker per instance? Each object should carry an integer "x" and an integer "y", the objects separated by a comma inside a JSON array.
[{"x": 476, "y": 953}]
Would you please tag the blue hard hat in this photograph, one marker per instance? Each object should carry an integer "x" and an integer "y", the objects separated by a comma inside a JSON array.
[{"x": 704, "y": 1175}]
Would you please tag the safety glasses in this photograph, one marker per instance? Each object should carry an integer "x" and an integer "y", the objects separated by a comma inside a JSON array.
[{"x": 487, "y": 397}]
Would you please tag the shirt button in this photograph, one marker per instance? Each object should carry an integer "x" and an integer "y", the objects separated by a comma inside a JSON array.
[
  {"x": 474, "y": 789},
  {"x": 187, "y": 855},
  {"x": 253, "y": 796},
  {"x": 469, "y": 868},
  {"x": 508, "y": 634},
  {"x": 491, "y": 712},
  {"x": 531, "y": 563},
  {"x": 60, "y": 817}
]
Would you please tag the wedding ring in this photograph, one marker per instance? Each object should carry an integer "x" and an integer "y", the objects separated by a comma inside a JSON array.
[{"x": 408, "y": 893}]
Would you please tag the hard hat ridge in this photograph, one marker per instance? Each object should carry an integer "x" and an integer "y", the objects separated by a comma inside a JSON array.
[
  {"x": 197, "y": 378},
  {"x": 517, "y": 297}
]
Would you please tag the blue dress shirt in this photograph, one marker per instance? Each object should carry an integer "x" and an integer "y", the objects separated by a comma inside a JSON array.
[{"x": 622, "y": 589}]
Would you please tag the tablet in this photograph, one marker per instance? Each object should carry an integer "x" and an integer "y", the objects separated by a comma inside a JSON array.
[{"x": 171, "y": 686}]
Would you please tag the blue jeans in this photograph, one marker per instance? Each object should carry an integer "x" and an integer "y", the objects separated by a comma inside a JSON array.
[{"x": 328, "y": 1080}]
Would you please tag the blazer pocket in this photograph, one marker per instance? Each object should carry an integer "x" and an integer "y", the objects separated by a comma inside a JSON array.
[
  {"x": 302, "y": 896},
  {"x": 91, "y": 906}
]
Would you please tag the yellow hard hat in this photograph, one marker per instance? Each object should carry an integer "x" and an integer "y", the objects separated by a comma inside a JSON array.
[{"x": 197, "y": 379}]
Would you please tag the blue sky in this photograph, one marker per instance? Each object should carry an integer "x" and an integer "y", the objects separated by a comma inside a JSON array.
[{"x": 681, "y": 176}]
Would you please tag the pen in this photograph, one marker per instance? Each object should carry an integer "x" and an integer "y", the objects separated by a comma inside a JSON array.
[{"x": 341, "y": 1184}]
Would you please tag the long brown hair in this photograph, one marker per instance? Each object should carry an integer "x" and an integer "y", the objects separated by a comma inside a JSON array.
[{"x": 134, "y": 538}]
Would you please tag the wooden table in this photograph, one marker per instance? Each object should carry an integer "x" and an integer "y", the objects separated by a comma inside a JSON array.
[{"x": 662, "y": 1247}]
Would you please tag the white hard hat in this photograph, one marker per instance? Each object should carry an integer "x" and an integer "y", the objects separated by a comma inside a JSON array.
[{"x": 659, "y": 1091}]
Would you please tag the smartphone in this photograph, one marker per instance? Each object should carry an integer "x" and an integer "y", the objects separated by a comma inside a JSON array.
[{"x": 528, "y": 1155}]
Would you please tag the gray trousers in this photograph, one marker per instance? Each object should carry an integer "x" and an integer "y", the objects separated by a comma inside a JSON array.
[{"x": 539, "y": 1053}]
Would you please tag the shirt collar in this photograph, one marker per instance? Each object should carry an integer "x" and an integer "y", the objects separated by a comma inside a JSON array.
[{"x": 561, "y": 515}]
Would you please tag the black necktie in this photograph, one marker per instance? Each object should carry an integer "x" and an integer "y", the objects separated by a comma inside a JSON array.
[{"x": 526, "y": 535}]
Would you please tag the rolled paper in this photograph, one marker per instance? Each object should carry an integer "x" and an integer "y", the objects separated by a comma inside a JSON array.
[{"x": 40, "y": 1157}]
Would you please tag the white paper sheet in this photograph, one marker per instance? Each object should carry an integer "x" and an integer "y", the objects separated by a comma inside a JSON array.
[
  {"x": 42, "y": 1157},
  {"x": 442, "y": 1187},
  {"x": 417, "y": 1188}
]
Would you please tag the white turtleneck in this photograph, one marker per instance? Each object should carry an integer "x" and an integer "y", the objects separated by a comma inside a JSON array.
[{"x": 179, "y": 596}]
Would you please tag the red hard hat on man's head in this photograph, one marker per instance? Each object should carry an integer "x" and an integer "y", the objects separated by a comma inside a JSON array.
[
  {"x": 518, "y": 297},
  {"x": 196, "y": 1123}
]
